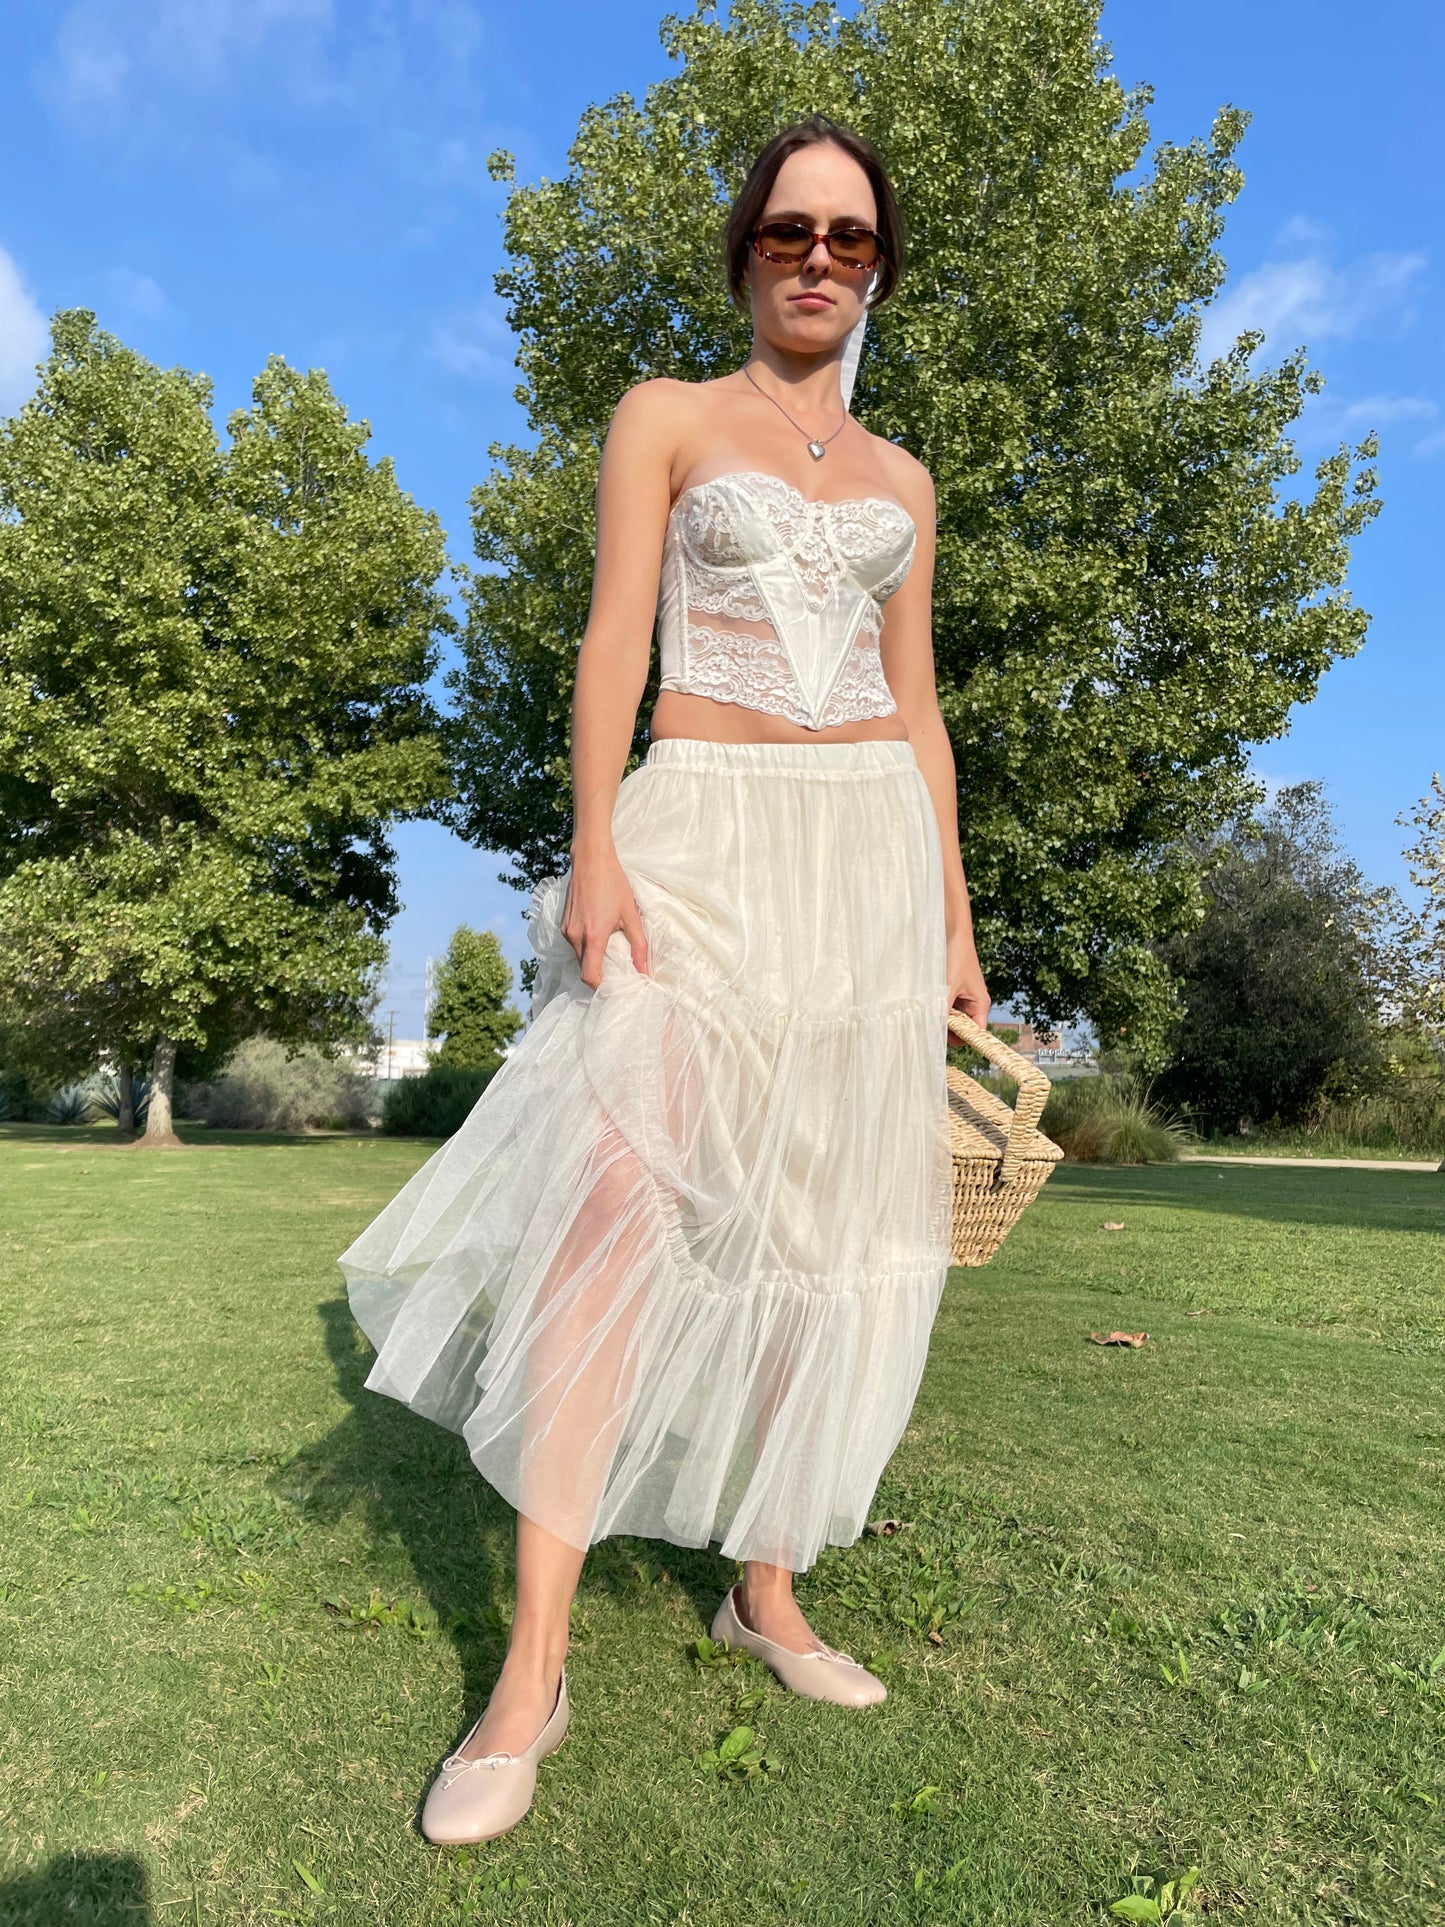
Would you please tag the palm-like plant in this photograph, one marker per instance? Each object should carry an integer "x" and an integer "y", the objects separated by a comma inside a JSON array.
[
  {"x": 105, "y": 1096},
  {"x": 71, "y": 1104}
]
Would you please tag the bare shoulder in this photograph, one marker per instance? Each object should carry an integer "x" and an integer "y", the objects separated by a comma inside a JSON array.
[
  {"x": 659, "y": 404},
  {"x": 908, "y": 477}
]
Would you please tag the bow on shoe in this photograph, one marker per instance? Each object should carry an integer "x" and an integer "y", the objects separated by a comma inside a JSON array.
[
  {"x": 458, "y": 1763},
  {"x": 827, "y": 1652}
]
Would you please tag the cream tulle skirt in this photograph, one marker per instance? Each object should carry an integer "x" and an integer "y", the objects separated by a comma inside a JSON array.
[{"x": 675, "y": 1274}]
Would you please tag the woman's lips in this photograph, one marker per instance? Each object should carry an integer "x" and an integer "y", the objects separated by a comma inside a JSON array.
[{"x": 814, "y": 303}]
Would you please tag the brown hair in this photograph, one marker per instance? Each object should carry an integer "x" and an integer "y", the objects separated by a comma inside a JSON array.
[{"x": 747, "y": 209}]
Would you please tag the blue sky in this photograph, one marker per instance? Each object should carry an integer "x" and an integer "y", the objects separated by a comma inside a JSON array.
[{"x": 225, "y": 179}]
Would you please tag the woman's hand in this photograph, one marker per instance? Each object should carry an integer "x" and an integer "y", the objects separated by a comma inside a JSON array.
[
  {"x": 599, "y": 902},
  {"x": 967, "y": 990}
]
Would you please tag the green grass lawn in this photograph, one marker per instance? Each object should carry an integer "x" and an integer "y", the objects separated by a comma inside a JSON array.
[{"x": 1150, "y": 1609}]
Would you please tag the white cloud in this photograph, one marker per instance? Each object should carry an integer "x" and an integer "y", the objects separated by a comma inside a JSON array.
[
  {"x": 1307, "y": 298},
  {"x": 1384, "y": 411},
  {"x": 1329, "y": 419},
  {"x": 24, "y": 336},
  {"x": 411, "y": 85},
  {"x": 1300, "y": 231},
  {"x": 474, "y": 342},
  {"x": 102, "y": 46},
  {"x": 137, "y": 293}
]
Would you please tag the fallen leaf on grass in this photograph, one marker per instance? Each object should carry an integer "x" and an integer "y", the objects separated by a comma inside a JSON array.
[
  {"x": 1113, "y": 1227},
  {"x": 1118, "y": 1338}
]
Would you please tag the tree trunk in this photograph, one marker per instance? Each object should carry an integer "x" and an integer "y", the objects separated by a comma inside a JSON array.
[
  {"x": 125, "y": 1110},
  {"x": 159, "y": 1136}
]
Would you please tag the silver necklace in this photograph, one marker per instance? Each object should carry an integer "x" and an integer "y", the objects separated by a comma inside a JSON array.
[{"x": 817, "y": 449}]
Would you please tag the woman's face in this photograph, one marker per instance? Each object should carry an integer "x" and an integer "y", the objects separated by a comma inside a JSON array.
[{"x": 812, "y": 307}]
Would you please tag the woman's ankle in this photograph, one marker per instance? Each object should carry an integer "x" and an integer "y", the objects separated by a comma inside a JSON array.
[
  {"x": 763, "y": 1593},
  {"x": 537, "y": 1656}
]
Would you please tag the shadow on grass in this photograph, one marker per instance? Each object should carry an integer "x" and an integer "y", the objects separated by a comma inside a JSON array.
[
  {"x": 413, "y": 1478},
  {"x": 1291, "y": 1194},
  {"x": 79, "y": 1890}
]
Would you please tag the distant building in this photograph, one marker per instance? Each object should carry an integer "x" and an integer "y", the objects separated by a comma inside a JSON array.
[
  {"x": 403, "y": 1057},
  {"x": 1038, "y": 1046},
  {"x": 1054, "y": 1054}
]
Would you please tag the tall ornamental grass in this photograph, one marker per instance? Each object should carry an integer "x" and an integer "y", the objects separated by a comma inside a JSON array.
[{"x": 1105, "y": 1120}]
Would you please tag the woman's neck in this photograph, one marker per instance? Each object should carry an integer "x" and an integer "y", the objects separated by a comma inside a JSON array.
[{"x": 807, "y": 385}]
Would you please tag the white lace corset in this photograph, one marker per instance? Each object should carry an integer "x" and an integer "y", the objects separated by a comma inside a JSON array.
[{"x": 795, "y": 590}]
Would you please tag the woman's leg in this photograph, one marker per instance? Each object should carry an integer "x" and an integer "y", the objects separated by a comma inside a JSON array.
[
  {"x": 526, "y": 1688},
  {"x": 765, "y": 1601},
  {"x": 579, "y": 1373},
  {"x": 766, "y": 1605}
]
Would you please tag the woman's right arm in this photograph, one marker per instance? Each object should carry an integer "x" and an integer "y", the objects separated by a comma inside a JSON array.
[{"x": 634, "y": 488}]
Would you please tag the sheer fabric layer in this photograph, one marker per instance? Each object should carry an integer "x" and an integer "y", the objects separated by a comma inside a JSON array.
[{"x": 675, "y": 1275}]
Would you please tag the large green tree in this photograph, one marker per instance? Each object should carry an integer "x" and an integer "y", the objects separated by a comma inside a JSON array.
[
  {"x": 470, "y": 1013},
  {"x": 1128, "y": 595},
  {"x": 212, "y": 669}
]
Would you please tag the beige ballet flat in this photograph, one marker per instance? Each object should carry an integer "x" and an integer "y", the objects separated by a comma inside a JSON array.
[
  {"x": 824, "y": 1675},
  {"x": 473, "y": 1800}
]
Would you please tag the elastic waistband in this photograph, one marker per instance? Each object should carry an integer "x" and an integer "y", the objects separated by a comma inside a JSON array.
[{"x": 874, "y": 753}]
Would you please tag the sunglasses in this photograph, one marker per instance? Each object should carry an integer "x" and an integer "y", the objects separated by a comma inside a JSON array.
[{"x": 789, "y": 243}]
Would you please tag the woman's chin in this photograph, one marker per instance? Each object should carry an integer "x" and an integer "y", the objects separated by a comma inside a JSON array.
[{"x": 808, "y": 334}]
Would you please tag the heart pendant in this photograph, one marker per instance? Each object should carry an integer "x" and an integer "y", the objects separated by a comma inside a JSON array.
[{"x": 817, "y": 450}]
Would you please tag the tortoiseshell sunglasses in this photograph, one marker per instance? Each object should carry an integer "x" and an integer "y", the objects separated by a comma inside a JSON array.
[{"x": 789, "y": 243}]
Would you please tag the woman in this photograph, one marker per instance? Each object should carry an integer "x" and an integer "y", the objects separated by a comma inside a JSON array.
[{"x": 675, "y": 1275}]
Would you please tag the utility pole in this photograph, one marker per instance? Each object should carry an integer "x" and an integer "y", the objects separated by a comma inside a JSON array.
[{"x": 391, "y": 1043}]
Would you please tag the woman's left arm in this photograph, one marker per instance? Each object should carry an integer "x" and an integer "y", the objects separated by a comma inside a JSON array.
[{"x": 907, "y": 651}]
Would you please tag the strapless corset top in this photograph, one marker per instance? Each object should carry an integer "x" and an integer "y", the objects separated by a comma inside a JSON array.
[{"x": 776, "y": 603}]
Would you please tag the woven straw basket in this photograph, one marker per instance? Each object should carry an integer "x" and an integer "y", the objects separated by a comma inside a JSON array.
[{"x": 1000, "y": 1156}]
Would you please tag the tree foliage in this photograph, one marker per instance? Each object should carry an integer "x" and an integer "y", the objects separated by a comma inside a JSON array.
[
  {"x": 1417, "y": 952},
  {"x": 1284, "y": 980},
  {"x": 471, "y": 1013},
  {"x": 1124, "y": 599},
  {"x": 212, "y": 663}
]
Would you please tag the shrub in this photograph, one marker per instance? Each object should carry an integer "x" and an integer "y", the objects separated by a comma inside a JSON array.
[
  {"x": 1111, "y": 1120},
  {"x": 24, "y": 1100},
  {"x": 262, "y": 1088},
  {"x": 435, "y": 1104},
  {"x": 1411, "y": 1125}
]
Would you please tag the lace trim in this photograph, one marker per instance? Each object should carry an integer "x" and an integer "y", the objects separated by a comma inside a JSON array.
[
  {"x": 819, "y": 536},
  {"x": 716, "y": 593},
  {"x": 754, "y": 672}
]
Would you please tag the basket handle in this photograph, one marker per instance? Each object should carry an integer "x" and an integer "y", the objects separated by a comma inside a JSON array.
[{"x": 1033, "y": 1086}]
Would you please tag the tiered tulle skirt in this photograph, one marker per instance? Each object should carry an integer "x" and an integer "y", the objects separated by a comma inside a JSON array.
[{"x": 675, "y": 1274}]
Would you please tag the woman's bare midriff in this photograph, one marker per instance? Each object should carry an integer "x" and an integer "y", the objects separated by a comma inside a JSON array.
[{"x": 677, "y": 714}]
